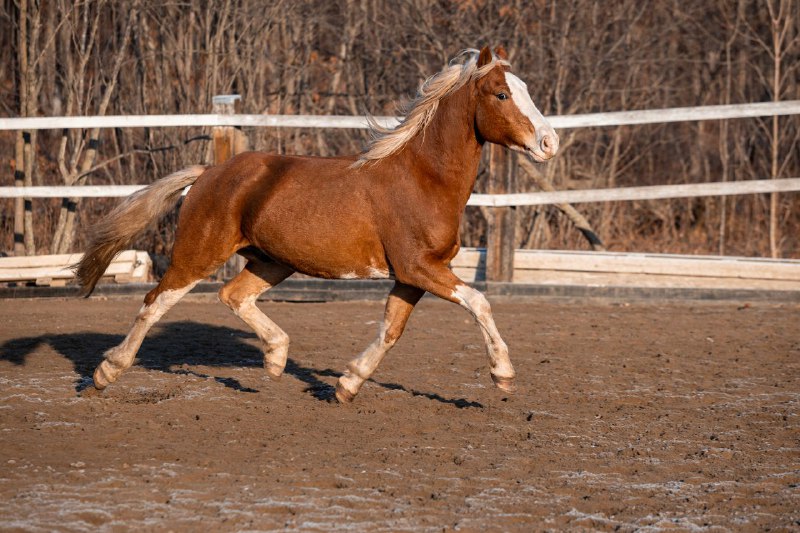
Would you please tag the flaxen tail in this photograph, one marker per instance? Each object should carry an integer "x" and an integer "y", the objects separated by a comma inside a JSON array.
[{"x": 116, "y": 231}]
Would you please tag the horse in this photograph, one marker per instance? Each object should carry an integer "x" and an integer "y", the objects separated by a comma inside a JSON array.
[{"x": 392, "y": 211}]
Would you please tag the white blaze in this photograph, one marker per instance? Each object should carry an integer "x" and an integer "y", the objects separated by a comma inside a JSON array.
[{"x": 521, "y": 97}]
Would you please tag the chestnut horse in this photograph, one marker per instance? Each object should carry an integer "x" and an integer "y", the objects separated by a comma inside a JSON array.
[{"x": 390, "y": 212}]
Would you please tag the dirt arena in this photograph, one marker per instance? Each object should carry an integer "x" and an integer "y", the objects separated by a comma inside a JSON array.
[{"x": 628, "y": 417}]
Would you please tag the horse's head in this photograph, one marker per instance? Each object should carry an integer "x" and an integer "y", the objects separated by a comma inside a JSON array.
[{"x": 505, "y": 113}]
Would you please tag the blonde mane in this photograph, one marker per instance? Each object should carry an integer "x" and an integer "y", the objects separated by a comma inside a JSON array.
[{"x": 418, "y": 113}]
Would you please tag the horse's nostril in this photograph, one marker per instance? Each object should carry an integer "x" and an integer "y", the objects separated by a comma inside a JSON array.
[{"x": 549, "y": 144}]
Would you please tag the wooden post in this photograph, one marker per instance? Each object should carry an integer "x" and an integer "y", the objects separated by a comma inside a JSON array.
[
  {"x": 227, "y": 141},
  {"x": 501, "y": 221},
  {"x": 224, "y": 137}
]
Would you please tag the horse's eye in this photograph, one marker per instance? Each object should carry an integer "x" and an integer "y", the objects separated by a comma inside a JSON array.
[{"x": 502, "y": 96}]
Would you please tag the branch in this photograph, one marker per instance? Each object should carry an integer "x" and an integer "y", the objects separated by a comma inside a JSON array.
[{"x": 579, "y": 220}]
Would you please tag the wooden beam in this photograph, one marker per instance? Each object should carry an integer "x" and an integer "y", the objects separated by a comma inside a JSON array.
[
  {"x": 654, "y": 192},
  {"x": 501, "y": 222},
  {"x": 129, "y": 265},
  {"x": 614, "y": 118},
  {"x": 646, "y": 270}
]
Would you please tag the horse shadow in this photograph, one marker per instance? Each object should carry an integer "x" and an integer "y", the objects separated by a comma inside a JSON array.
[{"x": 188, "y": 344}]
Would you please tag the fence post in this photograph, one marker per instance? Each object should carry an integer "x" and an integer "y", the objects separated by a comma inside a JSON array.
[
  {"x": 501, "y": 221},
  {"x": 227, "y": 141}
]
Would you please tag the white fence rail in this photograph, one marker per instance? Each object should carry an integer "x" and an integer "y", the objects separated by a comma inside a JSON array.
[
  {"x": 616, "y": 118},
  {"x": 655, "y": 192},
  {"x": 652, "y": 192}
]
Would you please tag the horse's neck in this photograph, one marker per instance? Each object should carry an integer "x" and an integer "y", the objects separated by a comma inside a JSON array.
[{"x": 448, "y": 150}]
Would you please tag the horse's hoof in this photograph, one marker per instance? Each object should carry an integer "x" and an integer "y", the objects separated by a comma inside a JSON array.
[
  {"x": 506, "y": 384},
  {"x": 273, "y": 371},
  {"x": 343, "y": 395},
  {"x": 100, "y": 379}
]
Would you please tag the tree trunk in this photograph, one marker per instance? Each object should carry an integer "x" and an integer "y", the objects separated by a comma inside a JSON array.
[
  {"x": 71, "y": 204},
  {"x": 19, "y": 203}
]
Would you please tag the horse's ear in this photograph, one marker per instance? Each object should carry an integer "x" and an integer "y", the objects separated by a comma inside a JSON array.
[
  {"x": 500, "y": 52},
  {"x": 486, "y": 57}
]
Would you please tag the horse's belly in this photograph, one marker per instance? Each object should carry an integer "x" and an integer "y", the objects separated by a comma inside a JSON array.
[
  {"x": 335, "y": 267},
  {"x": 327, "y": 255}
]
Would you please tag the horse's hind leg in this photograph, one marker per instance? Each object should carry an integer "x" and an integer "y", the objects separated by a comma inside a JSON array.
[
  {"x": 173, "y": 286},
  {"x": 240, "y": 295},
  {"x": 399, "y": 305}
]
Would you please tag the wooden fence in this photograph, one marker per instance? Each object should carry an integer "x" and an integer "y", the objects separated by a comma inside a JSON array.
[{"x": 500, "y": 249}]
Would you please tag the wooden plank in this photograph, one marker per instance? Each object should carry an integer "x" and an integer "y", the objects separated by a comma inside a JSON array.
[
  {"x": 469, "y": 274},
  {"x": 677, "y": 114},
  {"x": 652, "y": 192},
  {"x": 605, "y": 279},
  {"x": 201, "y": 120},
  {"x": 615, "y": 118},
  {"x": 60, "y": 272},
  {"x": 611, "y": 279},
  {"x": 50, "y": 282},
  {"x": 56, "y": 259},
  {"x": 34, "y": 261},
  {"x": 672, "y": 268},
  {"x": 142, "y": 268},
  {"x": 130, "y": 265},
  {"x": 468, "y": 257},
  {"x": 702, "y": 266},
  {"x": 76, "y": 191}
]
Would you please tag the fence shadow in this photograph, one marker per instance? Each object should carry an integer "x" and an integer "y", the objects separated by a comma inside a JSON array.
[{"x": 188, "y": 344}]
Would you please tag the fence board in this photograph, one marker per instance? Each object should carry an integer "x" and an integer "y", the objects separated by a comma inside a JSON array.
[
  {"x": 614, "y": 118},
  {"x": 652, "y": 192},
  {"x": 697, "y": 266},
  {"x": 130, "y": 265},
  {"x": 32, "y": 261},
  {"x": 552, "y": 267}
]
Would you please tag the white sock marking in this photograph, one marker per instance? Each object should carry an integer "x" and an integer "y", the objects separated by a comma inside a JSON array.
[{"x": 496, "y": 348}]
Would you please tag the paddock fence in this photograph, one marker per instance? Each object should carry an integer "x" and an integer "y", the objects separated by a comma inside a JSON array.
[{"x": 498, "y": 261}]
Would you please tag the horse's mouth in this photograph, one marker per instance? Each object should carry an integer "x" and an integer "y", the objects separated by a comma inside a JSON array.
[
  {"x": 539, "y": 157},
  {"x": 534, "y": 153}
]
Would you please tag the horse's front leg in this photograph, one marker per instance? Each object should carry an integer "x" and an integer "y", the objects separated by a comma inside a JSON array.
[
  {"x": 501, "y": 369},
  {"x": 399, "y": 305},
  {"x": 440, "y": 280}
]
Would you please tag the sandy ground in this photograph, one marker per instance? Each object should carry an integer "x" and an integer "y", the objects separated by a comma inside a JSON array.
[{"x": 628, "y": 417}]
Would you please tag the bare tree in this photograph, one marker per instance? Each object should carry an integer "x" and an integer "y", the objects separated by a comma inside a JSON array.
[
  {"x": 84, "y": 151},
  {"x": 357, "y": 56},
  {"x": 29, "y": 27}
]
